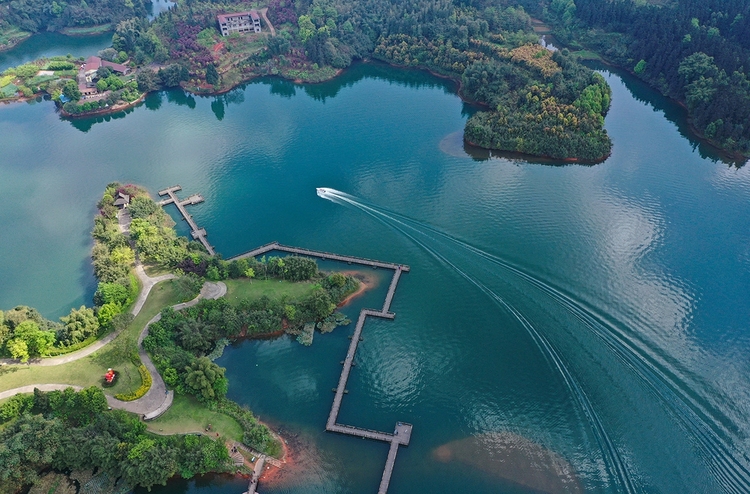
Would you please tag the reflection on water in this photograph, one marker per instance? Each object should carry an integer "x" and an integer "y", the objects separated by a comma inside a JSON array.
[{"x": 514, "y": 459}]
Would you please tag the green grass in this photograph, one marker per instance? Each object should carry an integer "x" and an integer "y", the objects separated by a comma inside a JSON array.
[
  {"x": 90, "y": 370},
  {"x": 188, "y": 415},
  {"x": 274, "y": 289},
  {"x": 587, "y": 55},
  {"x": 87, "y": 31},
  {"x": 12, "y": 35}
]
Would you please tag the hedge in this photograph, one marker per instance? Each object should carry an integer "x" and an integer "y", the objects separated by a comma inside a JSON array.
[{"x": 145, "y": 386}]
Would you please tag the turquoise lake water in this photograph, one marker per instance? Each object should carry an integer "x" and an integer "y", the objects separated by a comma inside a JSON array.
[{"x": 590, "y": 320}]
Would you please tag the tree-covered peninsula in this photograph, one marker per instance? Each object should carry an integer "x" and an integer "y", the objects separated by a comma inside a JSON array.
[
  {"x": 95, "y": 427},
  {"x": 694, "y": 51},
  {"x": 533, "y": 101}
]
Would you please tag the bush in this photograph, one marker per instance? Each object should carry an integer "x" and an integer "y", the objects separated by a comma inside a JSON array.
[
  {"x": 58, "y": 65},
  {"x": 15, "y": 406},
  {"x": 138, "y": 393}
]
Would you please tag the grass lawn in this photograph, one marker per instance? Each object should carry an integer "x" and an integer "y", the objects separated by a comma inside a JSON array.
[
  {"x": 189, "y": 415},
  {"x": 90, "y": 370},
  {"x": 87, "y": 31},
  {"x": 587, "y": 55},
  {"x": 12, "y": 34},
  {"x": 274, "y": 289}
]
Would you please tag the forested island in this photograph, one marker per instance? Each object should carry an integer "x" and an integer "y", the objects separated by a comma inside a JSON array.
[
  {"x": 534, "y": 101},
  {"x": 694, "y": 51},
  {"x": 45, "y": 435}
]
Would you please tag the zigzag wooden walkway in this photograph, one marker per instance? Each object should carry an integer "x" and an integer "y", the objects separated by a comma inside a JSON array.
[{"x": 401, "y": 434}]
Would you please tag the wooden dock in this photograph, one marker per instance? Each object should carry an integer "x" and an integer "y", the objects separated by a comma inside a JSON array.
[
  {"x": 401, "y": 434},
  {"x": 252, "y": 486},
  {"x": 198, "y": 234},
  {"x": 320, "y": 255}
]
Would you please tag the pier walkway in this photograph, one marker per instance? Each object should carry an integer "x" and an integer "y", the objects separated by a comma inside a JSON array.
[
  {"x": 320, "y": 255},
  {"x": 401, "y": 434},
  {"x": 197, "y": 233}
]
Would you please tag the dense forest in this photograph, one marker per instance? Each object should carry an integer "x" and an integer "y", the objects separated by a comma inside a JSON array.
[
  {"x": 68, "y": 430},
  {"x": 695, "y": 51},
  {"x": 46, "y": 15},
  {"x": 534, "y": 102}
]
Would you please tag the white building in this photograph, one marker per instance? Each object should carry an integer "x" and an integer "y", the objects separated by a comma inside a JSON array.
[{"x": 241, "y": 22}]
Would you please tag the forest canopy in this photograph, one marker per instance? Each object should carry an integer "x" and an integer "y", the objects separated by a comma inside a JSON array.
[
  {"x": 533, "y": 101},
  {"x": 695, "y": 51}
]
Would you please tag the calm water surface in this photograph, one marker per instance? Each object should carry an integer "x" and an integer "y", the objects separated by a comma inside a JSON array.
[
  {"x": 54, "y": 44},
  {"x": 585, "y": 325}
]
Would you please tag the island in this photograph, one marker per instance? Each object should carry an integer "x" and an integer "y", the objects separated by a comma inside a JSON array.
[{"x": 531, "y": 100}]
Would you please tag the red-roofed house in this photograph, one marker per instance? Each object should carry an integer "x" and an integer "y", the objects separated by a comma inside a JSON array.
[
  {"x": 92, "y": 64},
  {"x": 241, "y": 22}
]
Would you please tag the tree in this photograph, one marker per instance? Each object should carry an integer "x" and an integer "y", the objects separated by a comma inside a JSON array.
[
  {"x": 203, "y": 378},
  {"x": 212, "y": 75},
  {"x": 18, "y": 349},
  {"x": 111, "y": 293},
  {"x": 78, "y": 325},
  {"x": 173, "y": 74},
  {"x": 108, "y": 54},
  {"x": 37, "y": 342},
  {"x": 71, "y": 91},
  {"x": 107, "y": 312},
  {"x": 28, "y": 446},
  {"x": 147, "y": 81},
  {"x": 101, "y": 85}
]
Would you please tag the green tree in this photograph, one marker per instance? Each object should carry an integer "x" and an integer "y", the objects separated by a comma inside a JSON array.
[
  {"x": 29, "y": 445},
  {"x": 78, "y": 325},
  {"x": 71, "y": 91},
  {"x": 111, "y": 293},
  {"x": 18, "y": 349},
  {"x": 202, "y": 377},
  {"x": 212, "y": 75},
  {"x": 38, "y": 342},
  {"x": 107, "y": 312},
  {"x": 640, "y": 67}
]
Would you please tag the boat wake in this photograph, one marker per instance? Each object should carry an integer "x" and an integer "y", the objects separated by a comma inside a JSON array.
[{"x": 706, "y": 424}]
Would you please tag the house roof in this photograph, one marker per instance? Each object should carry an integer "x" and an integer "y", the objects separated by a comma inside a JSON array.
[
  {"x": 93, "y": 63},
  {"x": 122, "y": 199},
  {"x": 225, "y": 17}
]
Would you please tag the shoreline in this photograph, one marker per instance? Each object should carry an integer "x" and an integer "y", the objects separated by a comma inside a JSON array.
[
  {"x": 696, "y": 133},
  {"x": 455, "y": 80},
  {"x": 525, "y": 156},
  {"x": 105, "y": 111},
  {"x": 365, "y": 283}
]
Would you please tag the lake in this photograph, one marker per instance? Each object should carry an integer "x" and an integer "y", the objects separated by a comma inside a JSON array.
[{"x": 563, "y": 328}]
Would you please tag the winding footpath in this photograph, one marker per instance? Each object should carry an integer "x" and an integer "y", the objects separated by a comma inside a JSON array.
[{"x": 158, "y": 399}]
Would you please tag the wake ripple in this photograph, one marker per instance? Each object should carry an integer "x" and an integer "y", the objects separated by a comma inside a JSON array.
[
  {"x": 613, "y": 462},
  {"x": 695, "y": 414}
]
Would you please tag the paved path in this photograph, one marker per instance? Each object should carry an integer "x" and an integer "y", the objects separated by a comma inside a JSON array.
[
  {"x": 147, "y": 283},
  {"x": 263, "y": 12},
  {"x": 158, "y": 399}
]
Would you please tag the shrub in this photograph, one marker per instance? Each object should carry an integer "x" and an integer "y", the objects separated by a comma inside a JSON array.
[
  {"x": 138, "y": 393},
  {"x": 58, "y": 65}
]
